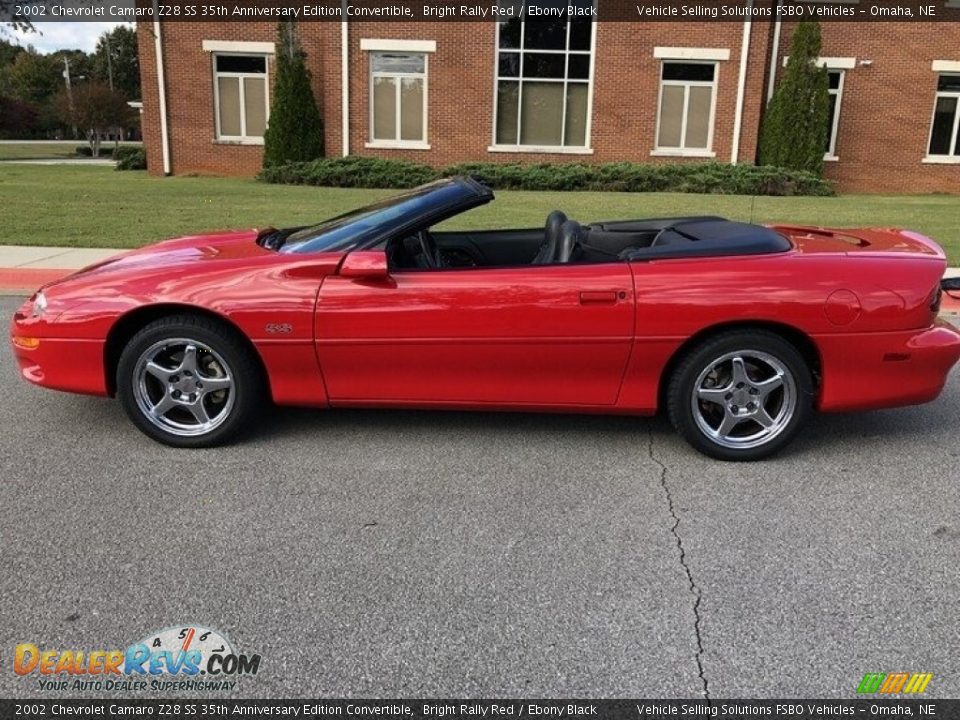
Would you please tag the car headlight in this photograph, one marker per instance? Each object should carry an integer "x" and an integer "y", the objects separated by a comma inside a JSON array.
[{"x": 39, "y": 304}]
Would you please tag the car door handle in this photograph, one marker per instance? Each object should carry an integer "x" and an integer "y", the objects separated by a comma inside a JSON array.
[{"x": 598, "y": 297}]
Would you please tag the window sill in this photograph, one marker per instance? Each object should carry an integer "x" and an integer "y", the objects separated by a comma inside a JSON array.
[
  {"x": 540, "y": 149},
  {"x": 831, "y": 158},
  {"x": 941, "y": 160},
  {"x": 387, "y": 145},
  {"x": 683, "y": 153},
  {"x": 238, "y": 141}
]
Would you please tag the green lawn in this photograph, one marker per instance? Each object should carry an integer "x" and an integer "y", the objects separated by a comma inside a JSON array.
[
  {"x": 99, "y": 207},
  {"x": 27, "y": 150}
]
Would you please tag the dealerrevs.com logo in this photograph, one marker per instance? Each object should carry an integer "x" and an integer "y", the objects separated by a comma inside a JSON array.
[{"x": 178, "y": 658}]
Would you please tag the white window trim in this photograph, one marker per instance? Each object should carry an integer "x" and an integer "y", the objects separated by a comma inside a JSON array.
[
  {"x": 243, "y": 138},
  {"x": 950, "y": 158},
  {"x": 667, "y": 151},
  {"x": 396, "y": 143},
  {"x": 239, "y": 47},
  {"x": 941, "y": 160},
  {"x": 831, "y": 63},
  {"x": 677, "y": 54},
  {"x": 946, "y": 66},
  {"x": 831, "y": 154},
  {"x": 548, "y": 149},
  {"x": 411, "y": 46},
  {"x": 587, "y": 147}
]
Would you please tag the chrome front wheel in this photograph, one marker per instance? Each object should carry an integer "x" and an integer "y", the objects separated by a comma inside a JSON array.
[
  {"x": 190, "y": 381},
  {"x": 183, "y": 386}
]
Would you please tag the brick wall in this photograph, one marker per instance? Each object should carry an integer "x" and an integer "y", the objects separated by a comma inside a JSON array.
[
  {"x": 887, "y": 106},
  {"x": 885, "y": 114}
]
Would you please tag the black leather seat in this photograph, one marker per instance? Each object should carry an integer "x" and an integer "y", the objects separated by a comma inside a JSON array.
[
  {"x": 570, "y": 236},
  {"x": 547, "y": 253}
]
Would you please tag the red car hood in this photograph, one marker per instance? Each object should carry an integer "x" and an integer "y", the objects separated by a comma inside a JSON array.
[{"x": 232, "y": 245}]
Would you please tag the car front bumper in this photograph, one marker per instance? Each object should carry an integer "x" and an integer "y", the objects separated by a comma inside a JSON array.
[{"x": 69, "y": 364}]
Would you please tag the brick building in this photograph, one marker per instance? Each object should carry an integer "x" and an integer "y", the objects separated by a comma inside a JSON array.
[{"x": 445, "y": 92}]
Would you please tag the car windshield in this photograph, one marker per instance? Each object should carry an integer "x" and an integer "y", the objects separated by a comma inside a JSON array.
[{"x": 345, "y": 231}]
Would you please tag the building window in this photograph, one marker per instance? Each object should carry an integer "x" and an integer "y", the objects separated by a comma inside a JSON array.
[
  {"x": 241, "y": 94},
  {"x": 687, "y": 104},
  {"x": 835, "y": 79},
  {"x": 543, "y": 79},
  {"x": 398, "y": 99},
  {"x": 944, "y": 135}
]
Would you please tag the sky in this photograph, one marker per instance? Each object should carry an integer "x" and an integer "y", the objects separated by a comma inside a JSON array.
[{"x": 65, "y": 35}]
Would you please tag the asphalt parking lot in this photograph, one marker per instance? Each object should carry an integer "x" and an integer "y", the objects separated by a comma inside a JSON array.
[{"x": 416, "y": 554}]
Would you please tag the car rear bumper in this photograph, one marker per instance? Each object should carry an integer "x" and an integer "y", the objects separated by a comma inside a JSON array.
[{"x": 880, "y": 370}]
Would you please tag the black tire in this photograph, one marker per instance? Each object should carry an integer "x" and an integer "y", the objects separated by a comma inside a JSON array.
[
  {"x": 708, "y": 371},
  {"x": 220, "y": 358}
]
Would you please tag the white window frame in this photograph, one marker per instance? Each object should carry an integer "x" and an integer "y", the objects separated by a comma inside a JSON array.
[
  {"x": 397, "y": 143},
  {"x": 242, "y": 138},
  {"x": 831, "y": 154},
  {"x": 950, "y": 158},
  {"x": 666, "y": 151},
  {"x": 586, "y": 148}
]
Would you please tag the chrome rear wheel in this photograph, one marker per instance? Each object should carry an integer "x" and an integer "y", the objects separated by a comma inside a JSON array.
[
  {"x": 741, "y": 394},
  {"x": 744, "y": 399}
]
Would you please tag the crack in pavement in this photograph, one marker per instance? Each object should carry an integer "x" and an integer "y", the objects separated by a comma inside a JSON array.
[{"x": 694, "y": 588}]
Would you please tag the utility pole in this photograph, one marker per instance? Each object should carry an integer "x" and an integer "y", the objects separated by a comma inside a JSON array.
[
  {"x": 116, "y": 130},
  {"x": 106, "y": 38},
  {"x": 66, "y": 80}
]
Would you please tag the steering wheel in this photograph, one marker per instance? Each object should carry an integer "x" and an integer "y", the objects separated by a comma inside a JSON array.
[{"x": 431, "y": 253}]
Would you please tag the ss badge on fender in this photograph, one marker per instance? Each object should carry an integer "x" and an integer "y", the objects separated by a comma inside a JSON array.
[{"x": 279, "y": 328}]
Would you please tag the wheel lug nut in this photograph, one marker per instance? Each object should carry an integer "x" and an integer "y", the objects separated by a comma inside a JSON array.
[
  {"x": 200, "y": 385},
  {"x": 751, "y": 406},
  {"x": 174, "y": 378},
  {"x": 734, "y": 408},
  {"x": 176, "y": 393},
  {"x": 728, "y": 396},
  {"x": 739, "y": 386}
]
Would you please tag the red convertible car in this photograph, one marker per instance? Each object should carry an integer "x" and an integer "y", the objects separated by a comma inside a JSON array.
[{"x": 737, "y": 331}]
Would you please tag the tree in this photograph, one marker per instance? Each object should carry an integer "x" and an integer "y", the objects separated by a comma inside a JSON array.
[
  {"x": 117, "y": 63},
  {"x": 95, "y": 109},
  {"x": 795, "y": 127},
  {"x": 34, "y": 77},
  {"x": 8, "y": 8},
  {"x": 18, "y": 119},
  {"x": 295, "y": 130}
]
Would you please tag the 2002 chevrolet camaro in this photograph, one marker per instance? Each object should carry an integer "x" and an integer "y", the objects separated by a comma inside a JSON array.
[{"x": 738, "y": 331}]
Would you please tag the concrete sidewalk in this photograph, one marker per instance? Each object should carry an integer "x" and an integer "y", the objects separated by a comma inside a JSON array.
[{"x": 24, "y": 268}]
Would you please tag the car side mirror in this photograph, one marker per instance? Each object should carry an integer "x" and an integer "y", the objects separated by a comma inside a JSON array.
[{"x": 365, "y": 264}]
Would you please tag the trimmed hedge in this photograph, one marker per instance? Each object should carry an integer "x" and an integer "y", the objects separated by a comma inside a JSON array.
[
  {"x": 351, "y": 172},
  {"x": 711, "y": 177},
  {"x": 130, "y": 157}
]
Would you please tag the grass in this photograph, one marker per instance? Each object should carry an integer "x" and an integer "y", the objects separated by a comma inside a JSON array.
[
  {"x": 27, "y": 150},
  {"x": 99, "y": 207}
]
